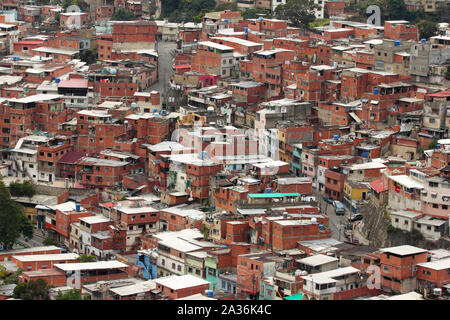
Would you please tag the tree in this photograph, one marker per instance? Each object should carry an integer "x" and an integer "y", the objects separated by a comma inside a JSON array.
[
  {"x": 433, "y": 144},
  {"x": 73, "y": 294},
  {"x": 89, "y": 56},
  {"x": 123, "y": 15},
  {"x": 397, "y": 10},
  {"x": 299, "y": 12},
  {"x": 254, "y": 13},
  {"x": 13, "y": 278},
  {"x": 50, "y": 242},
  {"x": 87, "y": 258},
  {"x": 4, "y": 273},
  {"x": 232, "y": 6},
  {"x": 13, "y": 221},
  {"x": 427, "y": 29},
  {"x": 32, "y": 290},
  {"x": 22, "y": 189}
]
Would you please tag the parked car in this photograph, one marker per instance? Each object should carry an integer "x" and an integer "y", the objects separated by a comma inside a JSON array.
[
  {"x": 328, "y": 199},
  {"x": 355, "y": 217},
  {"x": 339, "y": 208}
]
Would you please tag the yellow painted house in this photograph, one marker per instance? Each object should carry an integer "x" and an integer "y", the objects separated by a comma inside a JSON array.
[{"x": 356, "y": 190}]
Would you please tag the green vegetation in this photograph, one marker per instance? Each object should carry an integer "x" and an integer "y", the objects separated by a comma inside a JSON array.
[
  {"x": 186, "y": 10},
  {"x": 396, "y": 10},
  {"x": 319, "y": 23},
  {"x": 80, "y": 3},
  {"x": 299, "y": 12},
  {"x": 426, "y": 28},
  {"x": 13, "y": 278},
  {"x": 22, "y": 189},
  {"x": 50, "y": 242},
  {"x": 447, "y": 73},
  {"x": 232, "y": 6},
  {"x": 89, "y": 56},
  {"x": 13, "y": 221},
  {"x": 87, "y": 258},
  {"x": 123, "y": 15},
  {"x": 73, "y": 294},
  {"x": 32, "y": 290},
  {"x": 255, "y": 13},
  {"x": 433, "y": 144}
]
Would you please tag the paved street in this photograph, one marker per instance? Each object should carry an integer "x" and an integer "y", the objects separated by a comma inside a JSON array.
[
  {"x": 337, "y": 223},
  {"x": 165, "y": 66},
  {"x": 37, "y": 240}
]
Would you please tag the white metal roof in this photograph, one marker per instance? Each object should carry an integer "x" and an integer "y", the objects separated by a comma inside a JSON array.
[
  {"x": 47, "y": 257},
  {"x": 91, "y": 265},
  {"x": 407, "y": 181},
  {"x": 66, "y": 206},
  {"x": 197, "y": 296},
  {"x": 239, "y": 41},
  {"x": 56, "y": 50},
  {"x": 37, "y": 98},
  {"x": 317, "y": 260},
  {"x": 403, "y": 250},
  {"x": 436, "y": 265},
  {"x": 181, "y": 282},
  {"x": 95, "y": 219},
  {"x": 136, "y": 288},
  {"x": 215, "y": 45},
  {"x": 28, "y": 250}
]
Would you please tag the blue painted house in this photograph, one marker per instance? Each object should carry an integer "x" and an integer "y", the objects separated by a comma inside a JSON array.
[{"x": 147, "y": 260}]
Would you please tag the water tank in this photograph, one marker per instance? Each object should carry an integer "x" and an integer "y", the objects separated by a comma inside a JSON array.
[
  {"x": 438, "y": 146},
  {"x": 57, "y": 80},
  {"x": 155, "y": 110},
  {"x": 60, "y": 143},
  {"x": 77, "y": 207},
  {"x": 223, "y": 246},
  {"x": 203, "y": 154},
  {"x": 268, "y": 190},
  {"x": 336, "y": 137},
  {"x": 210, "y": 293},
  {"x": 260, "y": 18},
  {"x": 424, "y": 40},
  {"x": 163, "y": 112},
  {"x": 133, "y": 105},
  {"x": 246, "y": 30},
  {"x": 112, "y": 71},
  {"x": 210, "y": 109},
  {"x": 397, "y": 43},
  {"x": 375, "y": 91},
  {"x": 314, "y": 220},
  {"x": 156, "y": 114},
  {"x": 225, "y": 20}
]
